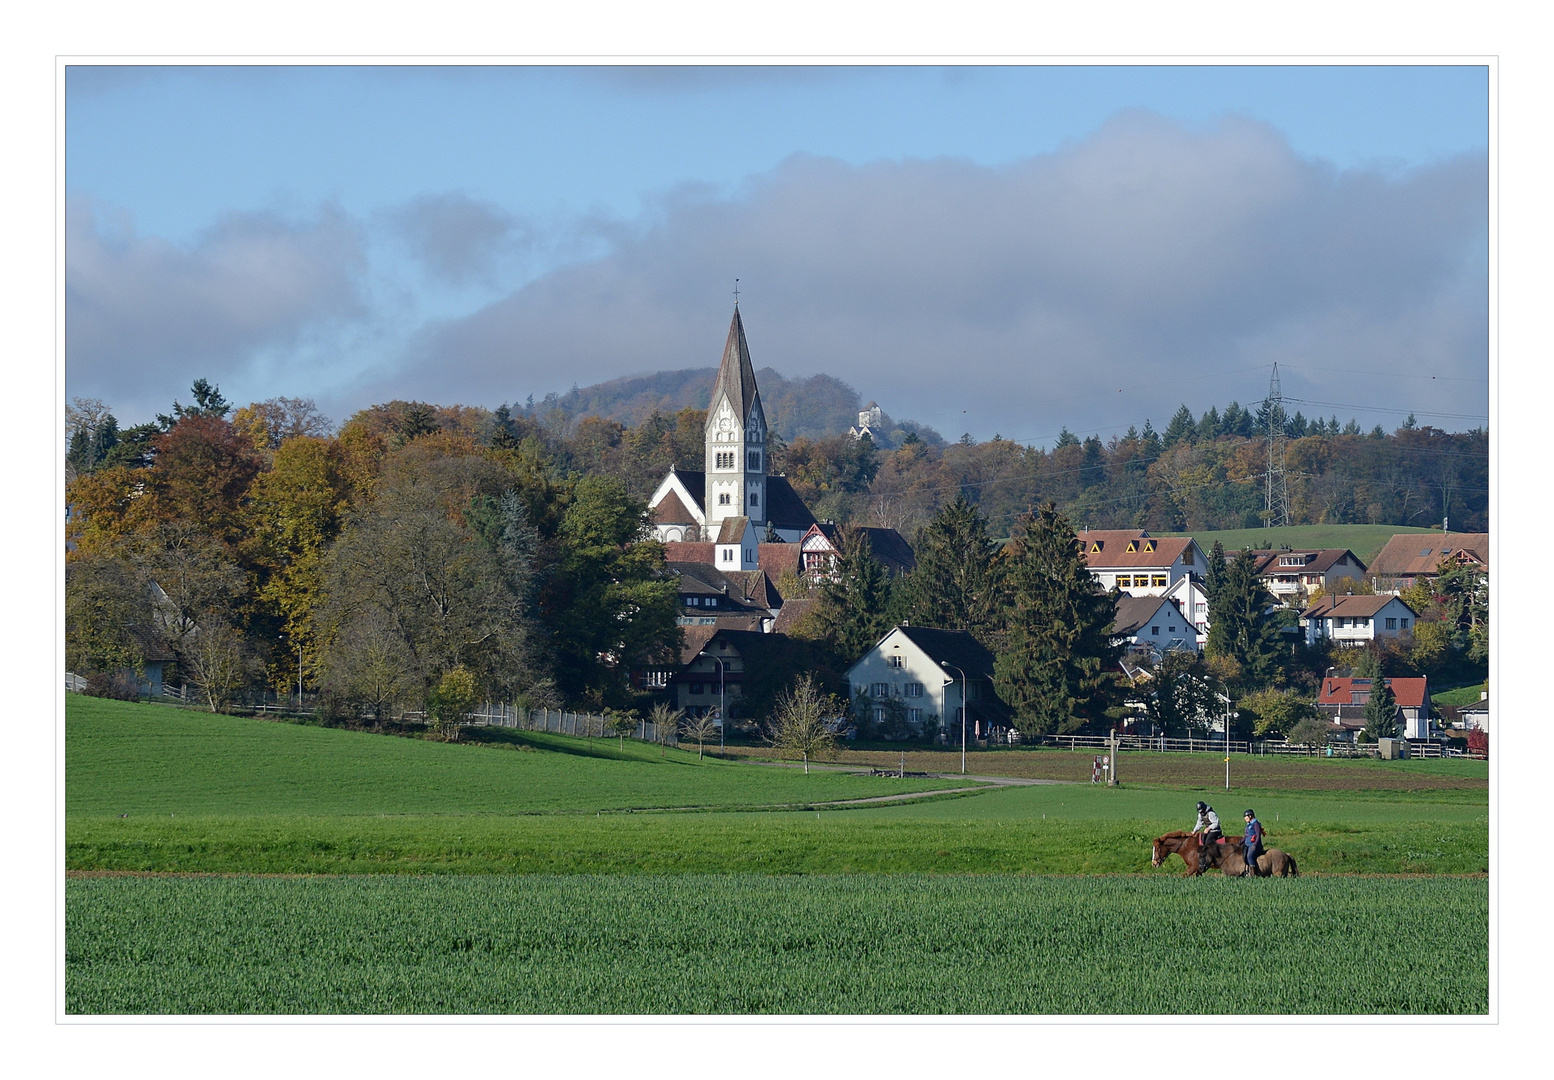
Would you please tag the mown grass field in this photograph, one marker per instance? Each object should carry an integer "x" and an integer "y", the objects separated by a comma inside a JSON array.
[
  {"x": 746, "y": 944},
  {"x": 565, "y": 875}
]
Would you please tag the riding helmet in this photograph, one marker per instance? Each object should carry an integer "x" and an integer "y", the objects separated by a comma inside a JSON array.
[{"x": 1202, "y": 806}]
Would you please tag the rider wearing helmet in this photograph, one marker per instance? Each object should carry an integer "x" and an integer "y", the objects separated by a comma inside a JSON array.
[
  {"x": 1208, "y": 831},
  {"x": 1252, "y": 845}
]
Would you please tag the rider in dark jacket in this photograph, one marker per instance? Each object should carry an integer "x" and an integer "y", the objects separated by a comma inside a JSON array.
[
  {"x": 1252, "y": 843},
  {"x": 1208, "y": 830}
]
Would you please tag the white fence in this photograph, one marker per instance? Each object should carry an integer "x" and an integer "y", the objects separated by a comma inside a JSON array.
[{"x": 562, "y": 722}]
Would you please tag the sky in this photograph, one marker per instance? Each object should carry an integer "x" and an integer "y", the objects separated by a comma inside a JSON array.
[{"x": 989, "y": 250}]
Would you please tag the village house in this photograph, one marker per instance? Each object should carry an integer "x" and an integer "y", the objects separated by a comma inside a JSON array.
[
  {"x": 718, "y": 665},
  {"x": 1193, "y": 600},
  {"x": 819, "y": 547},
  {"x": 1357, "y": 620},
  {"x": 709, "y": 597},
  {"x": 1343, "y": 701},
  {"x": 1412, "y": 557},
  {"x": 1153, "y": 624},
  {"x": 933, "y": 674},
  {"x": 1292, "y": 576},
  {"x": 1139, "y": 564}
]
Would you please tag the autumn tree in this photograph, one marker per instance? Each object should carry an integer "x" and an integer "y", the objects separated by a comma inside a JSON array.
[
  {"x": 109, "y": 621},
  {"x": 1181, "y": 697},
  {"x": 1057, "y": 670}
]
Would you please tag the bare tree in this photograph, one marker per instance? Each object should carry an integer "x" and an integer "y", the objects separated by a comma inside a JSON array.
[
  {"x": 218, "y": 661},
  {"x": 804, "y": 720},
  {"x": 666, "y": 720},
  {"x": 701, "y": 728}
]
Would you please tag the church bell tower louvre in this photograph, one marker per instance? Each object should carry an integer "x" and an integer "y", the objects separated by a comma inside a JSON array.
[{"x": 736, "y": 437}]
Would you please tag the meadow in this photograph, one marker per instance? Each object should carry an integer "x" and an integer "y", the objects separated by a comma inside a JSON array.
[
  {"x": 221, "y": 864},
  {"x": 1366, "y": 541}
]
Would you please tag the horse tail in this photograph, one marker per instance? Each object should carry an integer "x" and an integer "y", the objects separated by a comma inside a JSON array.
[{"x": 1294, "y": 870}]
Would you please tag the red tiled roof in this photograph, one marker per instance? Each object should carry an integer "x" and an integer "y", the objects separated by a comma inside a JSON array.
[
  {"x": 671, "y": 511},
  {"x": 1114, "y": 548},
  {"x": 1415, "y": 554},
  {"x": 1410, "y": 693},
  {"x": 1348, "y": 607},
  {"x": 699, "y": 551}
]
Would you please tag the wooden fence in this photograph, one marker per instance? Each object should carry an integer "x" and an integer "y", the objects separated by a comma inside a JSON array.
[{"x": 562, "y": 722}]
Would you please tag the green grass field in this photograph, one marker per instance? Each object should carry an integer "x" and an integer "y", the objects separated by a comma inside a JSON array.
[
  {"x": 1364, "y": 540},
  {"x": 748, "y": 944},
  {"x": 548, "y": 874}
]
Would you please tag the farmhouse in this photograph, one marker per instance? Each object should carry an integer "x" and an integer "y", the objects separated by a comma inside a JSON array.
[
  {"x": 1139, "y": 564},
  {"x": 719, "y": 668},
  {"x": 932, "y": 675},
  {"x": 1294, "y": 575},
  {"x": 1344, "y": 700},
  {"x": 1153, "y": 624},
  {"x": 1355, "y": 620},
  {"x": 1411, "y": 557}
]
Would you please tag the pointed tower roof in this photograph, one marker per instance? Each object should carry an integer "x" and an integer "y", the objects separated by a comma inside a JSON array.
[{"x": 736, "y": 375}]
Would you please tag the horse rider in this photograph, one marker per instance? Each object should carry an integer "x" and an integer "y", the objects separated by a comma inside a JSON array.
[
  {"x": 1252, "y": 844},
  {"x": 1208, "y": 832}
]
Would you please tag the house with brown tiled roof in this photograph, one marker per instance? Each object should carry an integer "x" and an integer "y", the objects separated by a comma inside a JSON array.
[
  {"x": 1411, "y": 557},
  {"x": 1357, "y": 620},
  {"x": 1343, "y": 701},
  {"x": 1293, "y": 575},
  {"x": 819, "y": 547},
  {"x": 1138, "y": 564}
]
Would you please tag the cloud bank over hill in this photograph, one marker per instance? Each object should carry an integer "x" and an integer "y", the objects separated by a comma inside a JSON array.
[{"x": 1111, "y": 280}]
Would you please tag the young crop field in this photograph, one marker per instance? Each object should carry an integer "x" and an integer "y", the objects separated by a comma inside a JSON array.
[{"x": 864, "y": 944}]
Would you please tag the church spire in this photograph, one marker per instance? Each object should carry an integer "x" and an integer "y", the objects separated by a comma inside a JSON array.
[{"x": 736, "y": 375}]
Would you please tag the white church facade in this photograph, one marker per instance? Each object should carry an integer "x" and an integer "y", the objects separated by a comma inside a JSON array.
[{"x": 735, "y": 482}]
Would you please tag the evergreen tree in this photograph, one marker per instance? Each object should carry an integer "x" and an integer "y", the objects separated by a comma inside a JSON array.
[
  {"x": 1214, "y": 573},
  {"x": 1380, "y": 712},
  {"x": 1092, "y": 467},
  {"x": 1066, "y": 438},
  {"x": 1057, "y": 669},
  {"x": 1240, "y": 625},
  {"x": 1149, "y": 443},
  {"x": 1209, "y": 425},
  {"x": 850, "y": 611},
  {"x": 1182, "y": 426},
  {"x": 956, "y": 583}
]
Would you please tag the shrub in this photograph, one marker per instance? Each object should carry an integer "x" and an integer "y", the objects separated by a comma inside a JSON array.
[{"x": 450, "y": 702}]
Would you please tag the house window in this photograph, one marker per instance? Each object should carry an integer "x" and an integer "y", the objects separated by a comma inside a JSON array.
[
  {"x": 1392, "y": 624},
  {"x": 915, "y": 715},
  {"x": 1155, "y": 631},
  {"x": 1124, "y": 581},
  {"x": 755, "y": 460},
  {"x": 1405, "y": 622},
  {"x": 1187, "y": 557},
  {"x": 893, "y": 661},
  {"x": 914, "y": 689},
  {"x": 723, "y": 499},
  {"x": 728, "y": 554},
  {"x": 1149, "y": 545},
  {"x": 698, "y": 688},
  {"x": 1159, "y": 580},
  {"x": 879, "y": 689},
  {"x": 879, "y": 716},
  {"x": 1132, "y": 546}
]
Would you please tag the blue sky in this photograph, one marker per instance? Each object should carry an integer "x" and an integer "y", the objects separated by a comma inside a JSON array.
[{"x": 480, "y": 234}]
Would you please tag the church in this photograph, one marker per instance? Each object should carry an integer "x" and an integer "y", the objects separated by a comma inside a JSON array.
[{"x": 735, "y": 501}]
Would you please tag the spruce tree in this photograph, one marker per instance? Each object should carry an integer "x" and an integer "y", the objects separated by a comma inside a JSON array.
[
  {"x": 850, "y": 612},
  {"x": 1214, "y": 573},
  {"x": 1241, "y": 627},
  {"x": 1058, "y": 667},
  {"x": 955, "y": 585},
  {"x": 1182, "y": 426},
  {"x": 1380, "y": 712}
]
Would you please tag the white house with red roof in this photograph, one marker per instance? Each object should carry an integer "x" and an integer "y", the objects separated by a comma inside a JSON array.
[
  {"x": 1357, "y": 620},
  {"x": 1344, "y": 700},
  {"x": 1139, "y": 564}
]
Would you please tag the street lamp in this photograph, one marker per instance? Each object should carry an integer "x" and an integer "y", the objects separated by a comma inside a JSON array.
[
  {"x": 947, "y": 665},
  {"x": 1226, "y": 697},
  {"x": 722, "y": 705}
]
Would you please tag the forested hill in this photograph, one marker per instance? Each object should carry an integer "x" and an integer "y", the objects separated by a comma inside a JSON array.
[{"x": 808, "y": 406}]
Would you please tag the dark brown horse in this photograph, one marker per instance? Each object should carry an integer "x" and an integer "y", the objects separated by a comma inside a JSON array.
[{"x": 1271, "y": 863}]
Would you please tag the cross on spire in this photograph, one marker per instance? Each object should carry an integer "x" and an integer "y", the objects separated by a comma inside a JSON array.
[{"x": 736, "y": 292}]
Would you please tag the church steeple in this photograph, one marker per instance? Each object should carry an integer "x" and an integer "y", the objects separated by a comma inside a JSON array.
[{"x": 736, "y": 436}]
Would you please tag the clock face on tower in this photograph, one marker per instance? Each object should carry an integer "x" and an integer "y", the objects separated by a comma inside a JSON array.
[{"x": 725, "y": 424}]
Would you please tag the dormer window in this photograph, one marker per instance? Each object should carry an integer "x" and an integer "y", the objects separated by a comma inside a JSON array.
[
  {"x": 1149, "y": 545},
  {"x": 1133, "y": 546},
  {"x": 1095, "y": 548}
]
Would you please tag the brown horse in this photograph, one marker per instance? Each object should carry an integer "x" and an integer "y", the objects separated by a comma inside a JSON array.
[{"x": 1271, "y": 863}]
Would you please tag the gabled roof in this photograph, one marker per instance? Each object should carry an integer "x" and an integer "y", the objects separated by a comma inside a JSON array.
[
  {"x": 1136, "y": 612},
  {"x": 792, "y": 611},
  {"x": 888, "y": 546},
  {"x": 733, "y": 530},
  {"x": 736, "y": 375},
  {"x": 1108, "y": 548},
  {"x": 671, "y": 510},
  {"x": 778, "y": 559},
  {"x": 1319, "y": 561},
  {"x": 956, "y": 647},
  {"x": 750, "y": 645},
  {"x": 1350, "y": 607},
  {"x": 1409, "y": 693},
  {"x": 1415, "y": 554},
  {"x": 756, "y": 588},
  {"x": 784, "y": 508}
]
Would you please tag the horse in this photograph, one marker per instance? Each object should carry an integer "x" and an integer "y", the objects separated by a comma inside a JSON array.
[{"x": 1271, "y": 863}]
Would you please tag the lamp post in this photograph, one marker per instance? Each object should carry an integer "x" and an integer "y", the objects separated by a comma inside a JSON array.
[
  {"x": 1226, "y": 696},
  {"x": 722, "y": 706},
  {"x": 947, "y": 665}
]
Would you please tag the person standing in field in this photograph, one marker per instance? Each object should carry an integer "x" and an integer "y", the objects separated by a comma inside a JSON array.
[
  {"x": 1252, "y": 845},
  {"x": 1208, "y": 832}
]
